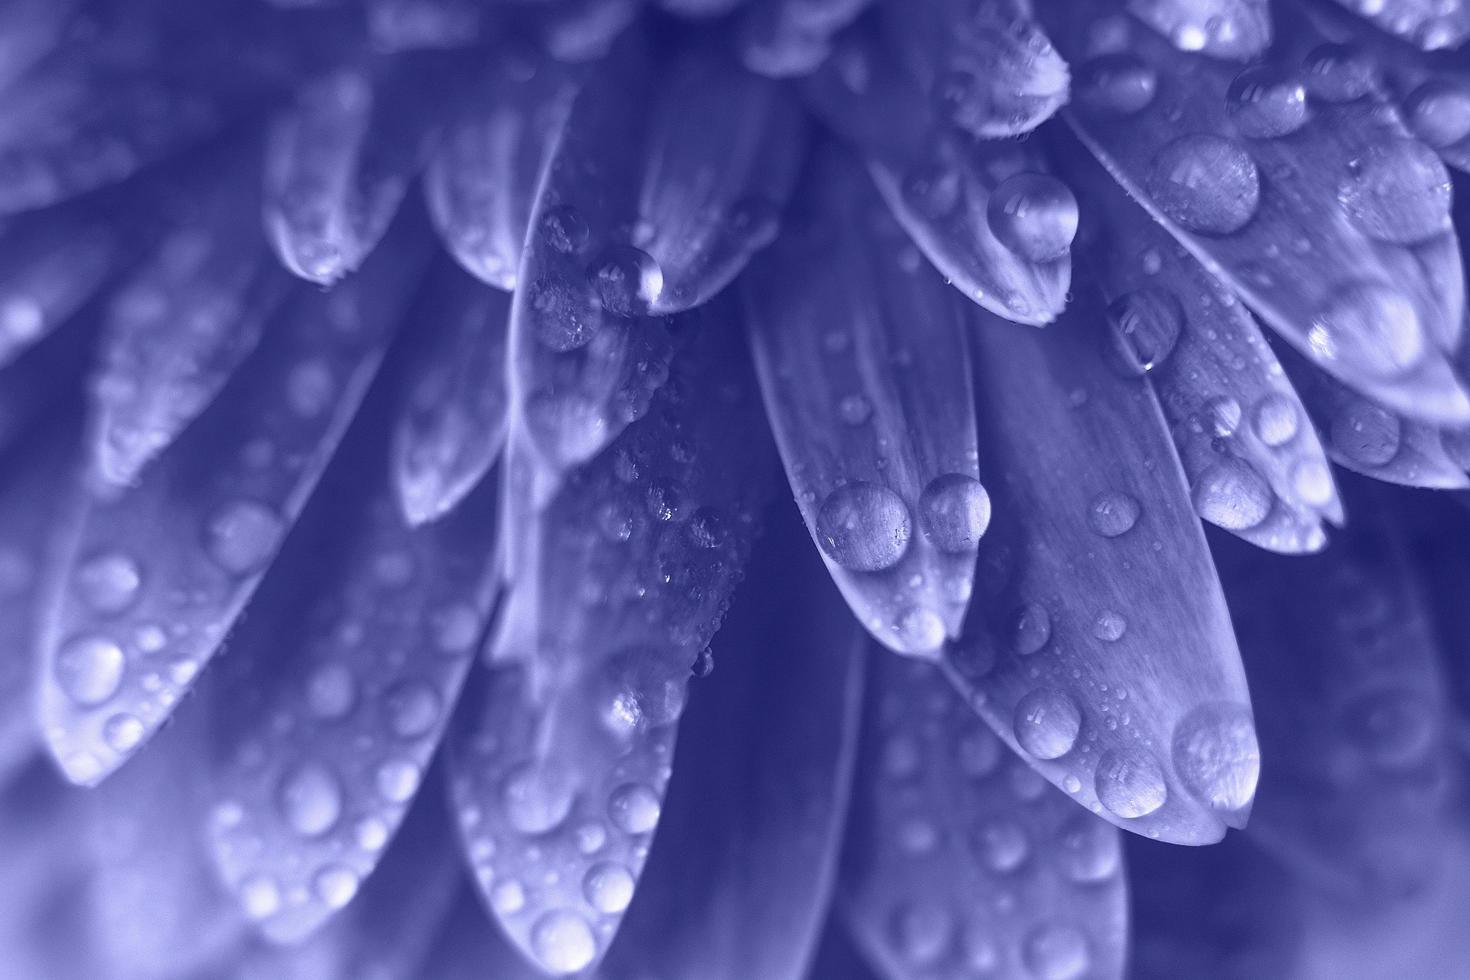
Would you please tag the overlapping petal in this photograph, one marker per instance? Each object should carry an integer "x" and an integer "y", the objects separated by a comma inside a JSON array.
[
  {"x": 51, "y": 264},
  {"x": 560, "y": 766},
  {"x": 864, "y": 368},
  {"x": 1098, "y": 642},
  {"x": 155, "y": 575},
  {"x": 1271, "y": 176},
  {"x": 1235, "y": 29},
  {"x": 962, "y": 862},
  {"x": 791, "y": 38}
]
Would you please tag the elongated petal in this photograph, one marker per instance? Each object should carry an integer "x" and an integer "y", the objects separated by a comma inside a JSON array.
[
  {"x": 764, "y": 865},
  {"x": 29, "y": 31},
  {"x": 946, "y": 821},
  {"x": 988, "y": 69},
  {"x": 469, "y": 948},
  {"x": 559, "y": 771},
  {"x": 865, "y": 372},
  {"x": 1253, "y": 460},
  {"x": 451, "y": 425},
  {"x": 791, "y": 38},
  {"x": 338, "y": 164},
  {"x": 414, "y": 25},
  {"x": 342, "y": 686},
  {"x": 643, "y": 211},
  {"x": 1098, "y": 642},
  {"x": 578, "y": 31},
  {"x": 1355, "y": 715},
  {"x": 986, "y": 214},
  {"x": 46, "y": 380},
  {"x": 482, "y": 179},
  {"x": 1234, "y": 29},
  {"x": 157, "y": 575},
  {"x": 1428, "y": 24},
  {"x": 1319, "y": 211},
  {"x": 50, "y": 265},
  {"x": 180, "y": 326}
]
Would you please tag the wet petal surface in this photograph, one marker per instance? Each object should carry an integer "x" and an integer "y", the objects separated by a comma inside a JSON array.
[
  {"x": 1234, "y": 29},
  {"x": 1429, "y": 24},
  {"x": 51, "y": 264},
  {"x": 864, "y": 368}
]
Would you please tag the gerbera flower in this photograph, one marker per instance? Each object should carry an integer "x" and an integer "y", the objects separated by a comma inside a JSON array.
[{"x": 393, "y": 401}]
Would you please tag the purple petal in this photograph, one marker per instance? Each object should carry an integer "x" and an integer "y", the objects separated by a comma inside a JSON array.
[
  {"x": 157, "y": 574},
  {"x": 754, "y": 815},
  {"x": 1268, "y": 188},
  {"x": 1235, "y": 29},
  {"x": 577, "y": 31},
  {"x": 960, "y": 860},
  {"x": 865, "y": 372},
  {"x": 414, "y": 25},
  {"x": 29, "y": 31},
  {"x": 559, "y": 771},
  {"x": 1430, "y": 24},
  {"x": 50, "y": 265},
  {"x": 791, "y": 38},
  {"x": 1098, "y": 642}
]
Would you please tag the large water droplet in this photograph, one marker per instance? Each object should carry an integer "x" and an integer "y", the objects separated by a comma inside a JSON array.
[
  {"x": 412, "y": 707},
  {"x": 1216, "y": 755},
  {"x": 626, "y": 280},
  {"x": 1047, "y": 722},
  {"x": 89, "y": 669},
  {"x": 1034, "y": 215},
  {"x": 634, "y": 808},
  {"x": 109, "y": 582},
  {"x": 1113, "y": 513},
  {"x": 1265, "y": 101},
  {"x": 1130, "y": 782},
  {"x": 242, "y": 535},
  {"x": 1398, "y": 191},
  {"x": 564, "y": 229},
  {"x": 1146, "y": 326},
  {"x": 1370, "y": 326},
  {"x": 608, "y": 887},
  {"x": 1366, "y": 434},
  {"x": 954, "y": 511},
  {"x": 1109, "y": 626},
  {"x": 1232, "y": 495},
  {"x": 1116, "y": 84},
  {"x": 1439, "y": 112},
  {"x": 536, "y": 799},
  {"x": 1339, "y": 73},
  {"x": 1088, "y": 849},
  {"x": 1207, "y": 184},
  {"x": 1056, "y": 952},
  {"x": 565, "y": 313},
  {"x": 563, "y": 942},
  {"x": 310, "y": 799},
  {"x": 1276, "y": 419},
  {"x": 863, "y": 527}
]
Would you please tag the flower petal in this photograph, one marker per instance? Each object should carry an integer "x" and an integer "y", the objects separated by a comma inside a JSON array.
[
  {"x": 451, "y": 426},
  {"x": 560, "y": 768},
  {"x": 985, "y": 213},
  {"x": 1098, "y": 643},
  {"x": 576, "y": 31},
  {"x": 1235, "y": 29},
  {"x": 1268, "y": 188},
  {"x": 1254, "y": 464},
  {"x": 791, "y": 38},
  {"x": 1354, "y": 711},
  {"x": 483, "y": 175},
  {"x": 340, "y": 690},
  {"x": 416, "y": 25},
  {"x": 157, "y": 574},
  {"x": 865, "y": 372},
  {"x": 29, "y": 31},
  {"x": 51, "y": 264},
  {"x": 181, "y": 325},
  {"x": 1429, "y": 24},
  {"x": 755, "y": 813},
  {"x": 338, "y": 163},
  {"x": 945, "y": 821}
]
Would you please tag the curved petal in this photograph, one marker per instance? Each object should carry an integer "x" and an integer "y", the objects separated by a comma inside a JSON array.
[
  {"x": 416, "y": 25},
  {"x": 744, "y": 864},
  {"x": 483, "y": 175},
  {"x": 1098, "y": 643},
  {"x": 156, "y": 575},
  {"x": 960, "y": 860},
  {"x": 1253, "y": 460},
  {"x": 1235, "y": 29},
  {"x": 576, "y": 31},
  {"x": 791, "y": 38},
  {"x": 1429, "y": 24},
  {"x": 181, "y": 324},
  {"x": 1355, "y": 715},
  {"x": 451, "y": 426},
  {"x": 338, "y": 163},
  {"x": 987, "y": 214},
  {"x": 559, "y": 771},
  {"x": 1268, "y": 187},
  {"x": 51, "y": 264},
  {"x": 29, "y": 31},
  {"x": 340, "y": 689},
  {"x": 862, "y": 360}
]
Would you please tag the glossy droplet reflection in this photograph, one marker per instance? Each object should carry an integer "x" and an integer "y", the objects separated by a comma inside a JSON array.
[
  {"x": 954, "y": 512},
  {"x": 1208, "y": 184},
  {"x": 89, "y": 670},
  {"x": 1216, "y": 755},
  {"x": 1130, "y": 783},
  {"x": 563, "y": 942},
  {"x": 1047, "y": 723},
  {"x": 1146, "y": 326},
  {"x": 310, "y": 798},
  {"x": 1370, "y": 326},
  {"x": 1398, "y": 191},
  {"x": 1113, "y": 513},
  {"x": 242, "y": 535},
  {"x": 1034, "y": 215},
  {"x": 863, "y": 527},
  {"x": 1265, "y": 102}
]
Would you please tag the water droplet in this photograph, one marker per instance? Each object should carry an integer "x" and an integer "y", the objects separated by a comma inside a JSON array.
[
  {"x": 412, "y": 707},
  {"x": 89, "y": 670},
  {"x": 1265, "y": 102},
  {"x": 863, "y": 527},
  {"x": 1339, "y": 73},
  {"x": 1047, "y": 722},
  {"x": 634, "y": 808},
  {"x": 1055, "y": 952},
  {"x": 1395, "y": 729},
  {"x": 1312, "y": 481},
  {"x": 242, "y": 536},
  {"x": 1232, "y": 495},
  {"x": 260, "y": 896},
  {"x": 1109, "y": 626},
  {"x": 933, "y": 189},
  {"x": 508, "y": 897},
  {"x": 335, "y": 885},
  {"x": 109, "y": 582},
  {"x": 371, "y": 834},
  {"x": 1032, "y": 629},
  {"x": 922, "y": 932},
  {"x": 1398, "y": 191},
  {"x": 920, "y": 631},
  {"x": 627, "y": 280},
  {"x": 1370, "y": 326},
  {"x": 565, "y": 229},
  {"x": 1113, "y": 513},
  {"x": 1002, "y": 844},
  {"x": 1088, "y": 849},
  {"x": 1034, "y": 215},
  {"x": 1116, "y": 84},
  {"x": 1216, "y": 755},
  {"x": 310, "y": 799},
  {"x": 535, "y": 798},
  {"x": 1276, "y": 419},
  {"x": 1366, "y": 434},
  {"x": 123, "y": 732},
  {"x": 855, "y": 409},
  {"x": 608, "y": 887},
  {"x": 563, "y": 942},
  {"x": 564, "y": 312},
  {"x": 954, "y": 511},
  {"x": 455, "y": 628},
  {"x": 331, "y": 691},
  {"x": 1207, "y": 184},
  {"x": 1438, "y": 112},
  {"x": 398, "y": 780},
  {"x": 1130, "y": 782},
  {"x": 1146, "y": 326}
]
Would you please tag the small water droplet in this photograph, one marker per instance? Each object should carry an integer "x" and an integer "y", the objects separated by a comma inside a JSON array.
[
  {"x": 331, "y": 691},
  {"x": 1113, "y": 513},
  {"x": 565, "y": 229},
  {"x": 123, "y": 732},
  {"x": 260, "y": 896},
  {"x": 1002, "y": 844},
  {"x": 1116, "y": 84},
  {"x": 1130, "y": 783},
  {"x": 1366, "y": 434},
  {"x": 335, "y": 885},
  {"x": 398, "y": 780},
  {"x": 535, "y": 799},
  {"x": 922, "y": 932},
  {"x": 627, "y": 280},
  {"x": 89, "y": 669},
  {"x": 1055, "y": 952},
  {"x": 1109, "y": 626},
  {"x": 1032, "y": 629},
  {"x": 1339, "y": 73},
  {"x": 412, "y": 707},
  {"x": 855, "y": 409},
  {"x": 1398, "y": 191},
  {"x": 1088, "y": 849},
  {"x": 1146, "y": 326},
  {"x": 608, "y": 887},
  {"x": 1047, "y": 722},
  {"x": 310, "y": 799},
  {"x": 863, "y": 527},
  {"x": 1232, "y": 495},
  {"x": 1438, "y": 112}
]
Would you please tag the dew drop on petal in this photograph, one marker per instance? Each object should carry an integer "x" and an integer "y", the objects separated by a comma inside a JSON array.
[
  {"x": 1034, "y": 215},
  {"x": 535, "y": 799},
  {"x": 563, "y": 942},
  {"x": 608, "y": 887},
  {"x": 1398, "y": 191},
  {"x": 260, "y": 896},
  {"x": 1265, "y": 102},
  {"x": 1032, "y": 629},
  {"x": 1088, "y": 849},
  {"x": 634, "y": 808},
  {"x": 863, "y": 527},
  {"x": 1230, "y": 494},
  {"x": 412, "y": 708},
  {"x": 954, "y": 512},
  {"x": 123, "y": 732},
  {"x": 1276, "y": 419},
  {"x": 1438, "y": 112},
  {"x": 1130, "y": 783},
  {"x": 89, "y": 669},
  {"x": 1370, "y": 326},
  {"x": 565, "y": 229},
  {"x": 310, "y": 799},
  {"x": 1002, "y": 844},
  {"x": 242, "y": 535},
  {"x": 398, "y": 780},
  {"x": 1366, "y": 434},
  {"x": 1216, "y": 755},
  {"x": 1339, "y": 73},
  {"x": 1113, "y": 513},
  {"x": 109, "y": 582},
  {"x": 1116, "y": 84},
  {"x": 1057, "y": 952},
  {"x": 1207, "y": 184},
  {"x": 331, "y": 691},
  {"x": 335, "y": 885},
  {"x": 922, "y": 931},
  {"x": 1047, "y": 722},
  {"x": 627, "y": 280},
  {"x": 1146, "y": 326},
  {"x": 1109, "y": 626}
]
